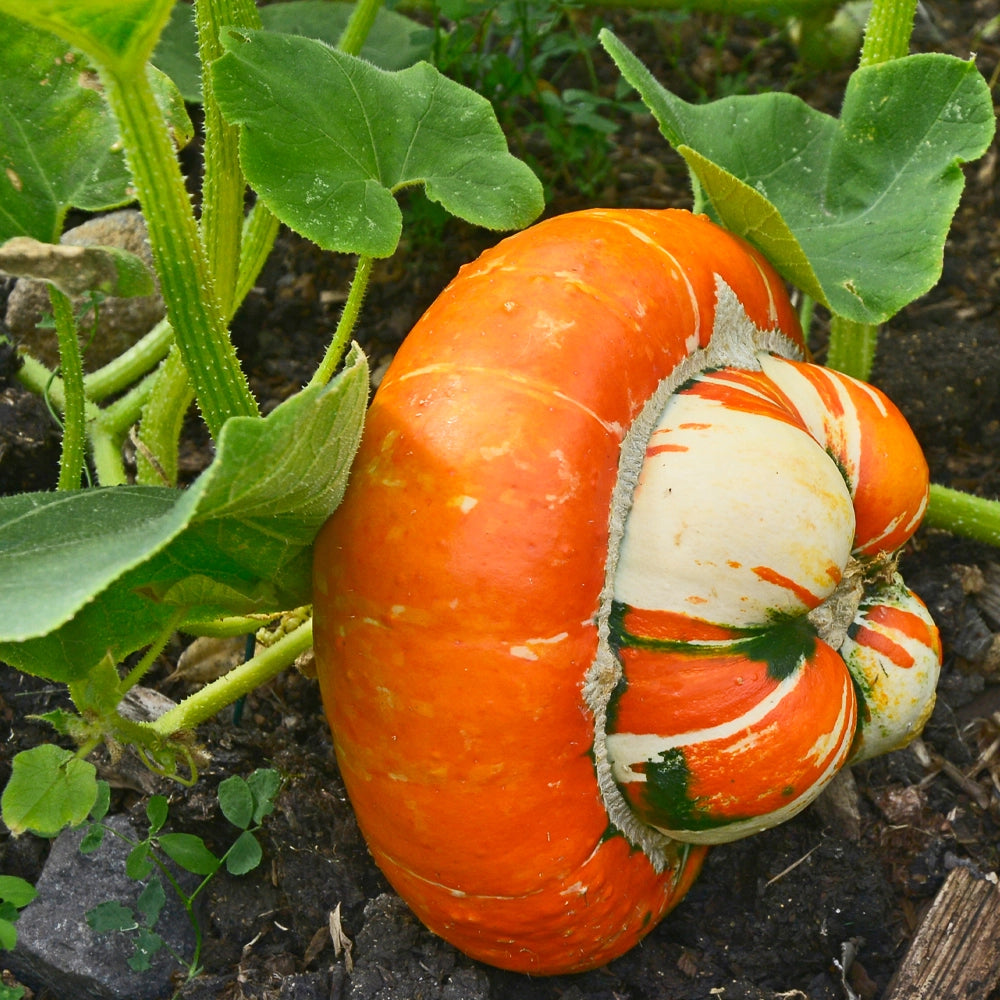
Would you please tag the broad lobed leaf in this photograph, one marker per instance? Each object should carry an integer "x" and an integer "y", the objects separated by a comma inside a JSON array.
[
  {"x": 59, "y": 146},
  {"x": 394, "y": 41},
  {"x": 855, "y": 209},
  {"x": 49, "y": 788},
  {"x": 238, "y": 540},
  {"x": 120, "y": 34},
  {"x": 358, "y": 136}
]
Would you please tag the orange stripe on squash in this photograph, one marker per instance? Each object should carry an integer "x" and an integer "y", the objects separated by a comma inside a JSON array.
[{"x": 882, "y": 644}]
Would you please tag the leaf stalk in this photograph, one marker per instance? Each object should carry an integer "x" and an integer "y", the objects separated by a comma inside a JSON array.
[
  {"x": 964, "y": 514},
  {"x": 185, "y": 279},
  {"x": 888, "y": 31},
  {"x": 348, "y": 319},
  {"x": 73, "y": 403},
  {"x": 241, "y": 680}
]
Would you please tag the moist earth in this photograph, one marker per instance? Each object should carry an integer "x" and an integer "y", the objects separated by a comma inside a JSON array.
[{"x": 822, "y": 907}]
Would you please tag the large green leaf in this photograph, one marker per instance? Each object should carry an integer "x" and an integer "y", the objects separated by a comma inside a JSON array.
[
  {"x": 855, "y": 210},
  {"x": 394, "y": 41},
  {"x": 91, "y": 571},
  {"x": 357, "y": 135},
  {"x": 119, "y": 34},
  {"x": 59, "y": 142}
]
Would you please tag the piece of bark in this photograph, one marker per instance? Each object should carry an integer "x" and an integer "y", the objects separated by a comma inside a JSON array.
[{"x": 956, "y": 951}]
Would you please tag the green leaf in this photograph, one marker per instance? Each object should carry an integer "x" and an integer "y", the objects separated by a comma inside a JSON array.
[
  {"x": 71, "y": 546},
  {"x": 188, "y": 851},
  {"x": 244, "y": 855},
  {"x": 176, "y": 52},
  {"x": 156, "y": 812},
  {"x": 49, "y": 789},
  {"x": 111, "y": 916},
  {"x": 236, "y": 801},
  {"x": 171, "y": 103},
  {"x": 139, "y": 864},
  {"x": 119, "y": 34},
  {"x": 59, "y": 144},
  {"x": 102, "y": 803},
  {"x": 100, "y": 692},
  {"x": 147, "y": 944},
  {"x": 8, "y": 934},
  {"x": 60, "y": 720},
  {"x": 855, "y": 210},
  {"x": 151, "y": 901},
  {"x": 237, "y": 541},
  {"x": 16, "y": 891},
  {"x": 394, "y": 41},
  {"x": 264, "y": 784},
  {"x": 747, "y": 212},
  {"x": 92, "y": 839},
  {"x": 357, "y": 136}
]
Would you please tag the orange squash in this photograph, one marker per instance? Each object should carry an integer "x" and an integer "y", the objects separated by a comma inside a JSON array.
[{"x": 579, "y": 613}]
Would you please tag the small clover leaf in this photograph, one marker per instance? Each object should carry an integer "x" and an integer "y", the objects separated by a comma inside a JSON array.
[
  {"x": 188, "y": 851},
  {"x": 236, "y": 801},
  {"x": 49, "y": 788},
  {"x": 244, "y": 855}
]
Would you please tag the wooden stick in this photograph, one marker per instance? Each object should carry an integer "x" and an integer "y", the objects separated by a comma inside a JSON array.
[{"x": 956, "y": 951}]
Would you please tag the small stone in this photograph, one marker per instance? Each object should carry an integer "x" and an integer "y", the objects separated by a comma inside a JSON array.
[
  {"x": 839, "y": 806},
  {"x": 57, "y": 950},
  {"x": 121, "y": 321}
]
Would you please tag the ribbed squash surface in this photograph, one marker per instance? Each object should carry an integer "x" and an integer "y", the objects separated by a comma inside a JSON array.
[{"x": 570, "y": 609}]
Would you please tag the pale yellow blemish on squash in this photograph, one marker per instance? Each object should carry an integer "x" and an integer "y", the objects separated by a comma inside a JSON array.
[
  {"x": 463, "y": 502},
  {"x": 525, "y": 652}
]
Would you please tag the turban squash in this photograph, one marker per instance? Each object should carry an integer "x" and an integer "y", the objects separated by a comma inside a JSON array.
[{"x": 612, "y": 580}]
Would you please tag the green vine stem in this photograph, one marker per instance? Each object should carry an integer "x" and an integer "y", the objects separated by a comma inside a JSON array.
[
  {"x": 348, "y": 319},
  {"x": 131, "y": 365},
  {"x": 888, "y": 31},
  {"x": 223, "y": 186},
  {"x": 106, "y": 428},
  {"x": 852, "y": 347},
  {"x": 356, "y": 30},
  {"x": 157, "y": 457},
  {"x": 887, "y": 37},
  {"x": 241, "y": 680},
  {"x": 185, "y": 280},
  {"x": 140, "y": 670},
  {"x": 260, "y": 230},
  {"x": 964, "y": 514},
  {"x": 106, "y": 454},
  {"x": 73, "y": 399}
]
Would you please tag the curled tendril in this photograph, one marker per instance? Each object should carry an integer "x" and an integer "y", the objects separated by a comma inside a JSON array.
[{"x": 168, "y": 768}]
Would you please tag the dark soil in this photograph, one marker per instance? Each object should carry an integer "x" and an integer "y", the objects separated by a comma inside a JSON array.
[{"x": 771, "y": 916}]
